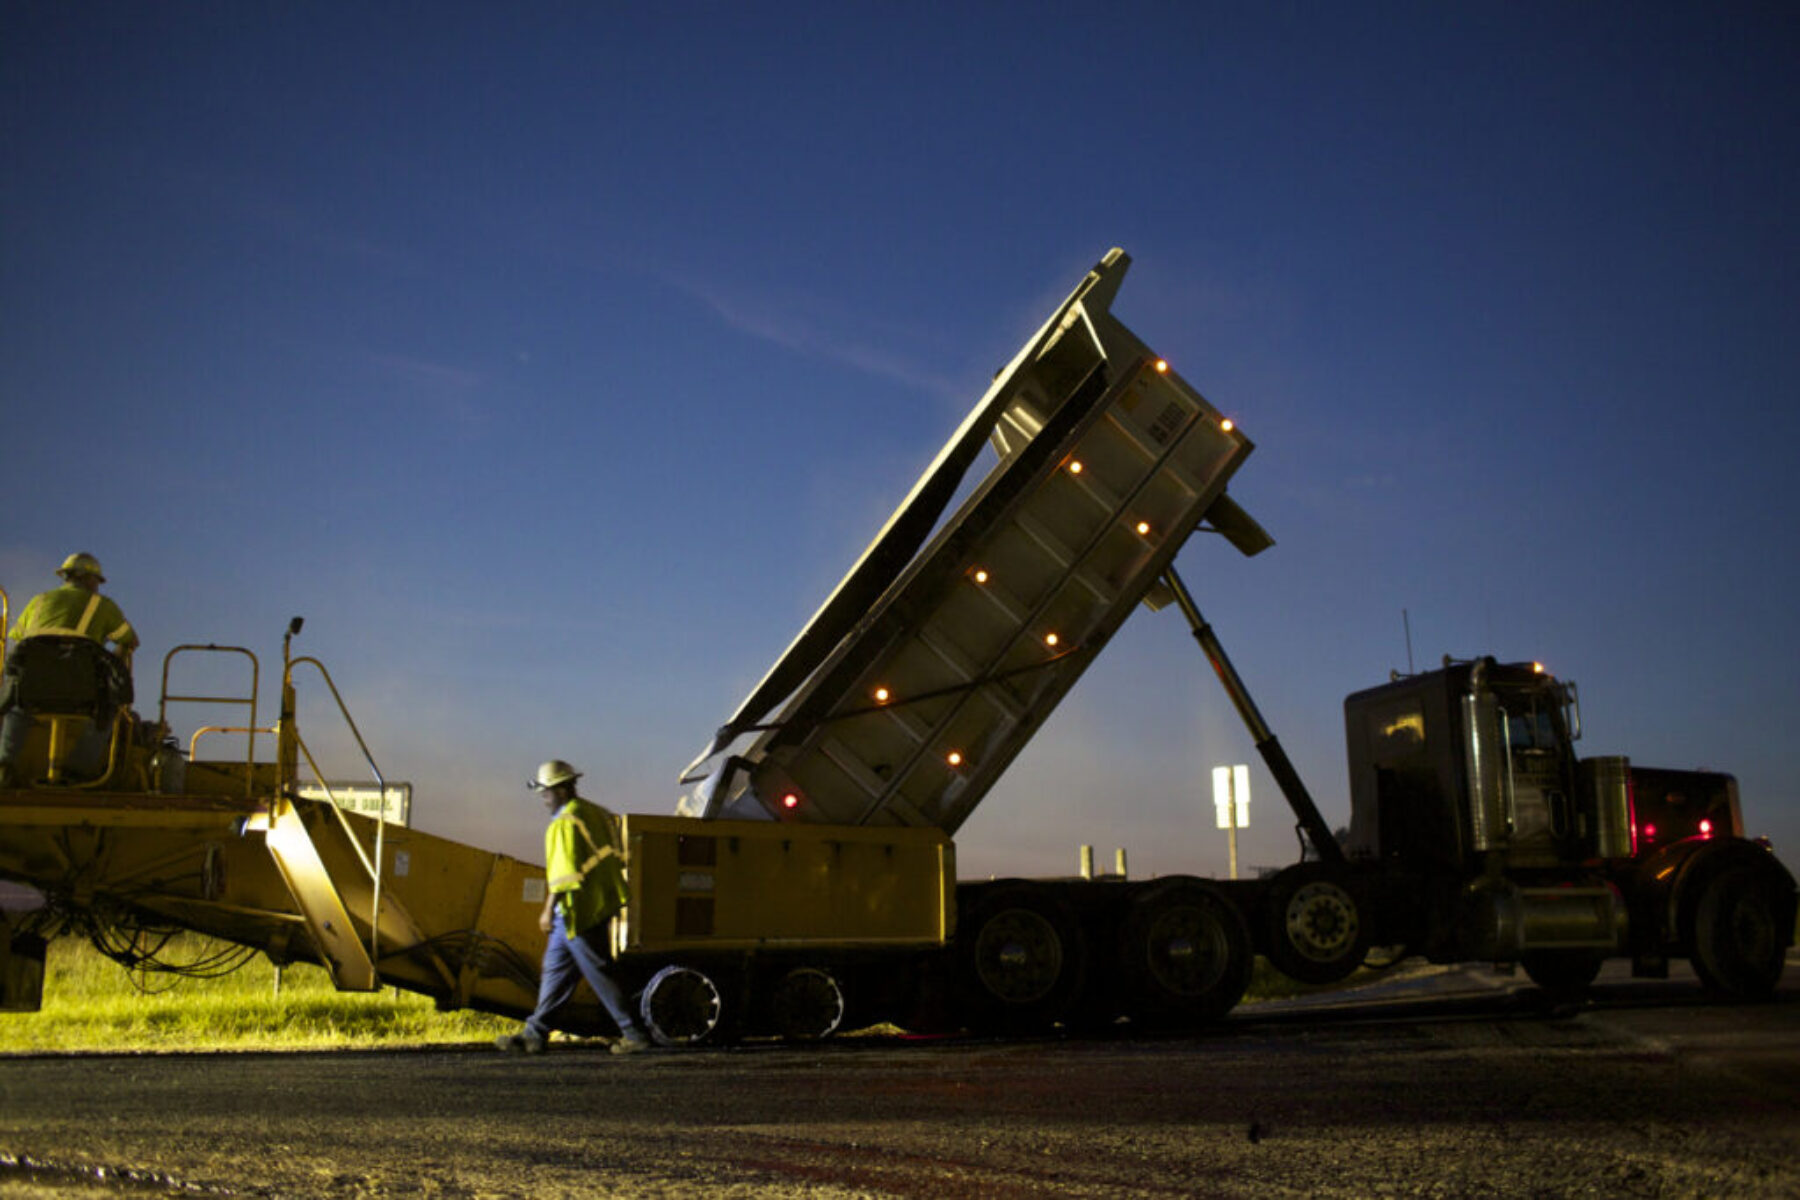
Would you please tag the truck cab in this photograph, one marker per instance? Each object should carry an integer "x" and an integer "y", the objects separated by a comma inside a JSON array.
[
  {"x": 1479, "y": 834},
  {"x": 1475, "y": 764}
]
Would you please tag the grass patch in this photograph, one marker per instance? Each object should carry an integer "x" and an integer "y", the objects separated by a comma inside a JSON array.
[{"x": 92, "y": 1003}]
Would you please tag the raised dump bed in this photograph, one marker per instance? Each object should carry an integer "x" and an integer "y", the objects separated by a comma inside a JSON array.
[{"x": 930, "y": 668}]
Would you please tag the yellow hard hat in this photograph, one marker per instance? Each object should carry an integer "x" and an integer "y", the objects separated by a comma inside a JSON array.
[
  {"x": 81, "y": 564},
  {"x": 554, "y": 772}
]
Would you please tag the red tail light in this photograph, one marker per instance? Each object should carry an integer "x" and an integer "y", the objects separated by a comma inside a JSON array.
[{"x": 1631, "y": 812}]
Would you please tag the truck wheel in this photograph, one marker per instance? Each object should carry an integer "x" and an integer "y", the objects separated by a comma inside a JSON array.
[
  {"x": 680, "y": 1007},
  {"x": 1316, "y": 926},
  {"x": 1023, "y": 960},
  {"x": 1562, "y": 972},
  {"x": 1739, "y": 944},
  {"x": 806, "y": 1004},
  {"x": 1185, "y": 956}
]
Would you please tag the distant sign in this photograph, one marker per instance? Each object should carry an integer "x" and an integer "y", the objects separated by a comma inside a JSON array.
[
  {"x": 366, "y": 799},
  {"x": 1231, "y": 796}
]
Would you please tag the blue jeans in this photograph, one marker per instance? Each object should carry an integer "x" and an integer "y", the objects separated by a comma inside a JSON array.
[{"x": 567, "y": 961}]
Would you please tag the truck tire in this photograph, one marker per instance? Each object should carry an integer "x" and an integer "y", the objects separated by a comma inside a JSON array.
[
  {"x": 1317, "y": 925},
  {"x": 806, "y": 1004},
  {"x": 1022, "y": 957},
  {"x": 1562, "y": 972},
  {"x": 1184, "y": 956},
  {"x": 1739, "y": 943},
  {"x": 680, "y": 1006}
]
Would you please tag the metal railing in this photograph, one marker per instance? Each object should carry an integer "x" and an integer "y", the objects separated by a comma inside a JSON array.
[
  {"x": 252, "y": 729},
  {"x": 374, "y": 868}
]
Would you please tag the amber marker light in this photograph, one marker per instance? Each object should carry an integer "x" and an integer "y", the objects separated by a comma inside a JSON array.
[
  {"x": 1227, "y": 425},
  {"x": 881, "y": 695},
  {"x": 1050, "y": 639},
  {"x": 954, "y": 758},
  {"x": 1143, "y": 528},
  {"x": 1075, "y": 467},
  {"x": 1162, "y": 366},
  {"x": 981, "y": 576}
]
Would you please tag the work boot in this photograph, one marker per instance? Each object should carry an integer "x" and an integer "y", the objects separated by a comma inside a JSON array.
[
  {"x": 522, "y": 1042},
  {"x": 631, "y": 1043}
]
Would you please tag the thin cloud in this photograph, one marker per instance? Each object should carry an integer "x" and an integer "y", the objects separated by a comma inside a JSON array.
[
  {"x": 785, "y": 323},
  {"x": 424, "y": 373},
  {"x": 452, "y": 390},
  {"x": 237, "y": 200}
]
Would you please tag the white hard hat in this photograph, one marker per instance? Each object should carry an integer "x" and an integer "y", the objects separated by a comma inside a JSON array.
[
  {"x": 81, "y": 564},
  {"x": 554, "y": 772}
]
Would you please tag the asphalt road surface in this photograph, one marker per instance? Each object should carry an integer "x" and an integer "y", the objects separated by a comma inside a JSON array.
[{"x": 1452, "y": 1084}]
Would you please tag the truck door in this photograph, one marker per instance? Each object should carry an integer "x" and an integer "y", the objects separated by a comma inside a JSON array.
[{"x": 1544, "y": 828}]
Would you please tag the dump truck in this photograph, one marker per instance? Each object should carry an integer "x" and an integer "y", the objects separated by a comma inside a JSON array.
[{"x": 807, "y": 881}]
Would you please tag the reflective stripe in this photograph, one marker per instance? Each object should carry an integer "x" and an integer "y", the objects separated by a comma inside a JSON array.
[
  {"x": 117, "y": 635},
  {"x": 556, "y": 884},
  {"x": 598, "y": 857},
  {"x": 87, "y": 616},
  {"x": 600, "y": 852}
]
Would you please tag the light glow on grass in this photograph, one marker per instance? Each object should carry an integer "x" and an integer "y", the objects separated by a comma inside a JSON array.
[{"x": 91, "y": 1003}]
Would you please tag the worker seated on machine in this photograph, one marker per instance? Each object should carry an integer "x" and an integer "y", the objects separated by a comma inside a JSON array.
[{"x": 59, "y": 666}]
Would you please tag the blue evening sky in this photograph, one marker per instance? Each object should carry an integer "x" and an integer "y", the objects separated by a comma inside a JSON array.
[{"x": 555, "y": 360}]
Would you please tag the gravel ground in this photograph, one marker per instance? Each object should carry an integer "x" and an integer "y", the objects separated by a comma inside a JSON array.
[{"x": 1643, "y": 1093}]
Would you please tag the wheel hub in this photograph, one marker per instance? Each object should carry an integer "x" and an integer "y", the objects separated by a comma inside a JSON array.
[
  {"x": 1018, "y": 956},
  {"x": 1321, "y": 921}
]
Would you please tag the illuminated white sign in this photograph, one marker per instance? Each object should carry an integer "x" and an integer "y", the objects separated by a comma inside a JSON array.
[
  {"x": 1231, "y": 789},
  {"x": 366, "y": 799}
]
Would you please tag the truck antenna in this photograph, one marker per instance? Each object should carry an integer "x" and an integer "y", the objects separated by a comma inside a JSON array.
[{"x": 1406, "y": 623}]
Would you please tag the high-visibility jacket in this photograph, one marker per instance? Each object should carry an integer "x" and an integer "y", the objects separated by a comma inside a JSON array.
[
  {"x": 585, "y": 865},
  {"x": 71, "y": 611}
]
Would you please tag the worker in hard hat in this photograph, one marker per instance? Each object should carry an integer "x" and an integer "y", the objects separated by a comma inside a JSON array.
[
  {"x": 585, "y": 867},
  {"x": 74, "y": 610}
]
